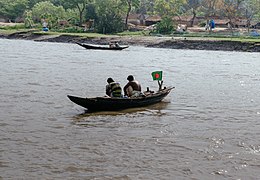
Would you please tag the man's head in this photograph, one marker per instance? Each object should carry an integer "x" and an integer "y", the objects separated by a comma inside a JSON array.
[
  {"x": 109, "y": 80},
  {"x": 130, "y": 78}
]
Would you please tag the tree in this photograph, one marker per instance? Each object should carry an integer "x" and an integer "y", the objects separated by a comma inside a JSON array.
[
  {"x": 169, "y": 7},
  {"x": 251, "y": 10},
  {"x": 91, "y": 12},
  {"x": 146, "y": 7},
  {"x": 80, "y": 5},
  {"x": 193, "y": 5},
  {"x": 31, "y": 3},
  {"x": 12, "y": 9},
  {"x": 47, "y": 11},
  {"x": 256, "y": 5},
  {"x": 210, "y": 7},
  {"x": 130, "y": 3},
  {"x": 109, "y": 16},
  {"x": 232, "y": 10}
]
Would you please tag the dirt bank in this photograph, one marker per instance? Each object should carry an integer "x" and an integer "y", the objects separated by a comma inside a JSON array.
[
  {"x": 148, "y": 41},
  {"x": 209, "y": 45}
]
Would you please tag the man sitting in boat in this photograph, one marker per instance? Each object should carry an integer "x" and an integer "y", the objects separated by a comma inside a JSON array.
[
  {"x": 114, "y": 45},
  {"x": 111, "y": 45},
  {"x": 117, "y": 44},
  {"x": 113, "y": 89},
  {"x": 132, "y": 88}
]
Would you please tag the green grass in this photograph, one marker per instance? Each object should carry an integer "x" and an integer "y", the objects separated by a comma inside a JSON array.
[
  {"x": 71, "y": 34},
  {"x": 13, "y": 27},
  {"x": 6, "y": 30},
  {"x": 126, "y": 33},
  {"x": 11, "y": 31},
  {"x": 135, "y": 33}
]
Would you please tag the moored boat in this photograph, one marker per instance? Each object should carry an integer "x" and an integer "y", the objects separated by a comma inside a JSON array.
[
  {"x": 87, "y": 46},
  {"x": 113, "y": 104}
]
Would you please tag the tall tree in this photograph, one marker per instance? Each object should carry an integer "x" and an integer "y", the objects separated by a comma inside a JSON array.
[
  {"x": 130, "y": 4},
  {"x": 147, "y": 6},
  {"x": 47, "y": 11},
  {"x": 31, "y": 3},
  {"x": 80, "y": 5},
  {"x": 109, "y": 16},
  {"x": 209, "y": 7},
  {"x": 251, "y": 10},
  {"x": 256, "y": 5},
  {"x": 12, "y": 9},
  {"x": 169, "y": 7},
  {"x": 231, "y": 10},
  {"x": 193, "y": 6}
]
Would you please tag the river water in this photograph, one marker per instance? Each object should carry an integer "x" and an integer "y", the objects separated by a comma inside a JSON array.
[{"x": 207, "y": 128}]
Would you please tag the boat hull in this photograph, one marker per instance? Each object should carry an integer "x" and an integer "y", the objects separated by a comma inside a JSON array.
[
  {"x": 113, "y": 104},
  {"x": 101, "y": 47}
]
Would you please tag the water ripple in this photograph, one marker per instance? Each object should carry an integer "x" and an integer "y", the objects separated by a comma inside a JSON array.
[{"x": 207, "y": 128}]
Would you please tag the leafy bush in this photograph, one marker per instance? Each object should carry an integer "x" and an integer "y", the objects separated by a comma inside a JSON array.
[
  {"x": 28, "y": 21},
  {"x": 202, "y": 24},
  {"x": 166, "y": 26}
]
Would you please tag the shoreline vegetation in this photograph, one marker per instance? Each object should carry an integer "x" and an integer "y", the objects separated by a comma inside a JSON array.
[{"x": 158, "y": 41}]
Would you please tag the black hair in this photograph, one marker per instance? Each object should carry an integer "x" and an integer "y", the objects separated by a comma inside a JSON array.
[
  {"x": 109, "y": 80},
  {"x": 130, "y": 78}
]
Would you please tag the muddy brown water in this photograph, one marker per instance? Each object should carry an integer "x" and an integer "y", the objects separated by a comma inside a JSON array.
[{"x": 207, "y": 128}]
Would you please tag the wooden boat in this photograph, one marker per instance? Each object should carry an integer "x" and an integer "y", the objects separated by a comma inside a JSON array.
[
  {"x": 113, "y": 104},
  {"x": 101, "y": 47}
]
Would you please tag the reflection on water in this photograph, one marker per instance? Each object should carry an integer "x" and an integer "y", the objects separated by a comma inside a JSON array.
[
  {"x": 153, "y": 110},
  {"x": 207, "y": 128}
]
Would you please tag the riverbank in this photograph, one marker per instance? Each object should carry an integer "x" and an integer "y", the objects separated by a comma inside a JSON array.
[{"x": 147, "y": 41}]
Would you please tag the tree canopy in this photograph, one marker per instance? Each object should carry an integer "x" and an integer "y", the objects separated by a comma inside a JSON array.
[{"x": 112, "y": 15}]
